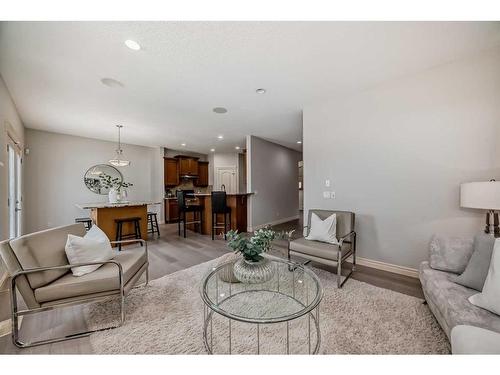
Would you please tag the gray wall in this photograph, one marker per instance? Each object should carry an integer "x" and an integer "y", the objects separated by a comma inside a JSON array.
[
  {"x": 396, "y": 155},
  {"x": 9, "y": 122},
  {"x": 54, "y": 171},
  {"x": 272, "y": 175}
]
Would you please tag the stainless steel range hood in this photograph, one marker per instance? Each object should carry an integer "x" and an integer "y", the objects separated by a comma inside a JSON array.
[{"x": 189, "y": 176}]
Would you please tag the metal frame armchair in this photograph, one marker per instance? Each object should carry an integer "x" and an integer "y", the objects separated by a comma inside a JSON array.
[
  {"x": 330, "y": 254},
  {"x": 46, "y": 287}
]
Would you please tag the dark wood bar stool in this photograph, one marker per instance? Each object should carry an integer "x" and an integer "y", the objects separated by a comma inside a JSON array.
[
  {"x": 119, "y": 229},
  {"x": 219, "y": 206},
  {"x": 153, "y": 223},
  {"x": 184, "y": 208},
  {"x": 87, "y": 221}
]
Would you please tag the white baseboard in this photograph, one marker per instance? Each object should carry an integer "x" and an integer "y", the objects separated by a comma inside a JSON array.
[
  {"x": 394, "y": 268},
  {"x": 275, "y": 222}
]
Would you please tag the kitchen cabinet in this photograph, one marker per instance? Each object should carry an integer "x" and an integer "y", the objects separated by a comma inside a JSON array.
[
  {"x": 202, "y": 179},
  {"x": 171, "y": 171},
  {"x": 171, "y": 211},
  {"x": 188, "y": 166}
]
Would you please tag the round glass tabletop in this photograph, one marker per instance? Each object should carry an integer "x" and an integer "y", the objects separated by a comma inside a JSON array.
[{"x": 293, "y": 291}]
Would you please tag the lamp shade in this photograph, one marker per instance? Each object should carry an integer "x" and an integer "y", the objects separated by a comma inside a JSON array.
[{"x": 481, "y": 195}]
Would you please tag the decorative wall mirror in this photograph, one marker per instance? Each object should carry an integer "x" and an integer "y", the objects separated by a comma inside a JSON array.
[{"x": 93, "y": 177}]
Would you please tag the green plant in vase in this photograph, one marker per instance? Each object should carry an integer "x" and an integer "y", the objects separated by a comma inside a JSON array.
[
  {"x": 253, "y": 268},
  {"x": 117, "y": 188}
]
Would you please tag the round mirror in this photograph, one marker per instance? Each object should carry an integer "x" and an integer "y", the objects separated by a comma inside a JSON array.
[{"x": 94, "y": 177}]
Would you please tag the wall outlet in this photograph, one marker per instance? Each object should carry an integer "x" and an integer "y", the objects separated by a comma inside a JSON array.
[
  {"x": 326, "y": 194},
  {"x": 332, "y": 195},
  {"x": 327, "y": 183}
]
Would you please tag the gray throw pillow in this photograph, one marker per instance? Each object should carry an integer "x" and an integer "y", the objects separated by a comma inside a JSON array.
[
  {"x": 450, "y": 254},
  {"x": 476, "y": 271}
]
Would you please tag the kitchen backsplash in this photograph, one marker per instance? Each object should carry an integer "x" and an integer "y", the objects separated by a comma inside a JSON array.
[{"x": 188, "y": 185}]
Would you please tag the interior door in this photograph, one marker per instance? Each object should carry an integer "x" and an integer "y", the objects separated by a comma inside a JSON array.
[
  {"x": 226, "y": 176},
  {"x": 14, "y": 189}
]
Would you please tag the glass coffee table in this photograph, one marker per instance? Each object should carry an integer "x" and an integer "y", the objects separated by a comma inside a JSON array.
[{"x": 276, "y": 317}]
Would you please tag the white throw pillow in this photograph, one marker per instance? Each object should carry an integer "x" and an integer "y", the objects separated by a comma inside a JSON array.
[
  {"x": 489, "y": 299},
  {"x": 323, "y": 230},
  {"x": 93, "y": 247}
]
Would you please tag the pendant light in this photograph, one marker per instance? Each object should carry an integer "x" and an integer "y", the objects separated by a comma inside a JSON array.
[{"x": 119, "y": 160}]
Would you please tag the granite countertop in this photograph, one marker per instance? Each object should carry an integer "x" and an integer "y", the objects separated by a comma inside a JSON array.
[
  {"x": 86, "y": 206},
  {"x": 208, "y": 194}
]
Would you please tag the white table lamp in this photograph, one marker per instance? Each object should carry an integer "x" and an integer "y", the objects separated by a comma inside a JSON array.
[{"x": 483, "y": 196}]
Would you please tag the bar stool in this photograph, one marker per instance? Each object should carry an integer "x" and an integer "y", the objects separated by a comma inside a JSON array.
[
  {"x": 153, "y": 223},
  {"x": 219, "y": 206},
  {"x": 87, "y": 221},
  {"x": 184, "y": 208},
  {"x": 119, "y": 229}
]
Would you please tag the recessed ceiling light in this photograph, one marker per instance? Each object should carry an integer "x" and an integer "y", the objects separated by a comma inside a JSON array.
[
  {"x": 212, "y": 150},
  {"x": 299, "y": 142},
  {"x": 220, "y": 137},
  {"x": 113, "y": 83},
  {"x": 237, "y": 147},
  {"x": 260, "y": 91},
  {"x": 219, "y": 110},
  {"x": 183, "y": 144},
  {"x": 132, "y": 44}
]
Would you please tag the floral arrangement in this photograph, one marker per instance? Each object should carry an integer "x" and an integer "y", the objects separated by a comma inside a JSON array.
[
  {"x": 252, "y": 247},
  {"x": 113, "y": 183}
]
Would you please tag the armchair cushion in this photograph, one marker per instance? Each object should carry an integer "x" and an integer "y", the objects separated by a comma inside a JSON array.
[
  {"x": 102, "y": 280},
  {"x": 44, "y": 249},
  {"x": 315, "y": 248},
  {"x": 323, "y": 230},
  {"x": 93, "y": 247}
]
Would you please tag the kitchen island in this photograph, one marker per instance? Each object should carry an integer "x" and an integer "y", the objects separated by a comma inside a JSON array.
[
  {"x": 237, "y": 202},
  {"x": 104, "y": 216}
]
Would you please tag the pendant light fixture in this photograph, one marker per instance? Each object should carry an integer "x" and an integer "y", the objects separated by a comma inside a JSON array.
[{"x": 119, "y": 160}]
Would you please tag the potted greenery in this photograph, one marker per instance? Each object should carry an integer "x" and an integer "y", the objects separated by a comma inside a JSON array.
[
  {"x": 116, "y": 187},
  {"x": 253, "y": 268}
]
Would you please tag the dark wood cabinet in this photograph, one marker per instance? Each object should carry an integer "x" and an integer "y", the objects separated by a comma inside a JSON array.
[
  {"x": 188, "y": 166},
  {"x": 202, "y": 179},
  {"x": 171, "y": 171},
  {"x": 171, "y": 211}
]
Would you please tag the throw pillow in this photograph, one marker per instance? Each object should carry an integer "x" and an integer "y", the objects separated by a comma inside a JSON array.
[
  {"x": 450, "y": 253},
  {"x": 323, "y": 230},
  {"x": 489, "y": 298},
  {"x": 476, "y": 271},
  {"x": 93, "y": 247}
]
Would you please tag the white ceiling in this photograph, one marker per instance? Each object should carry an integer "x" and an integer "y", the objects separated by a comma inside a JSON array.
[{"x": 53, "y": 71}]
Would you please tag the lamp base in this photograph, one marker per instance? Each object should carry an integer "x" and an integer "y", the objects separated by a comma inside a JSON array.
[{"x": 492, "y": 227}]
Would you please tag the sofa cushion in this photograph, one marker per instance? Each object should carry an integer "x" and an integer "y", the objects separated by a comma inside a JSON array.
[
  {"x": 103, "y": 279},
  {"x": 450, "y": 253},
  {"x": 451, "y": 300},
  {"x": 474, "y": 340},
  {"x": 315, "y": 248},
  {"x": 45, "y": 249},
  {"x": 489, "y": 298},
  {"x": 477, "y": 269}
]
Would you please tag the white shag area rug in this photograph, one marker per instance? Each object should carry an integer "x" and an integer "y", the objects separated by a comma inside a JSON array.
[{"x": 167, "y": 318}]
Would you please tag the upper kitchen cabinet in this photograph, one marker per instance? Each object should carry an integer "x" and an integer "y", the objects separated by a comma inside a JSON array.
[
  {"x": 202, "y": 179},
  {"x": 188, "y": 165},
  {"x": 171, "y": 171}
]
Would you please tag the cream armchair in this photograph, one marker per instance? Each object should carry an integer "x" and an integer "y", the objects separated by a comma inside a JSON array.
[
  {"x": 325, "y": 253},
  {"x": 40, "y": 271}
]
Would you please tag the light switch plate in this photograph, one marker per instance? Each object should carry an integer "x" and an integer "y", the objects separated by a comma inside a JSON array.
[
  {"x": 332, "y": 195},
  {"x": 326, "y": 194},
  {"x": 327, "y": 183}
]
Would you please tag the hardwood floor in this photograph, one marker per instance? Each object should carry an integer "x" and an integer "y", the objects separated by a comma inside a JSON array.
[{"x": 169, "y": 254}]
